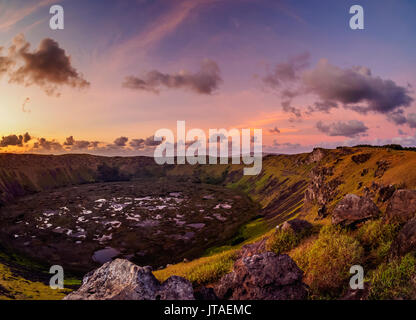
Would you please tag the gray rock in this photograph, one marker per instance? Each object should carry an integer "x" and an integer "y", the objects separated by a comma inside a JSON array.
[
  {"x": 401, "y": 207},
  {"x": 354, "y": 209},
  {"x": 265, "y": 276},
  {"x": 123, "y": 280},
  {"x": 296, "y": 225},
  {"x": 405, "y": 241}
]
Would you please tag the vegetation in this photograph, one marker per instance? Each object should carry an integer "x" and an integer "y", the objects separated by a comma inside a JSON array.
[
  {"x": 376, "y": 237},
  {"x": 327, "y": 260},
  {"x": 201, "y": 271},
  {"x": 394, "y": 280}
]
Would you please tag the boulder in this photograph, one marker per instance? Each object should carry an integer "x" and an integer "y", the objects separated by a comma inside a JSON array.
[
  {"x": 354, "y": 209},
  {"x": 122, "y": 280},
  {"x": 405, "y": 241},
  {"x": 402, "y": 206},
  {"x": 253, "y": 248},
  {"x": 296, "y": 225},
  {"x": 265, "y": 276}
]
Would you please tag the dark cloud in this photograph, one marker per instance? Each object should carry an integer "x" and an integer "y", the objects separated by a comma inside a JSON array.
[
  {"x": 322, "y": 106},
  {"x": 121, "y": 142},
  {"x": 47, "y": 145},
  {"x": 69, "y": 141},
  {"x": 48, "y": 66},
  {"x": 11, "y": 140},
  {"x": 150, "y": 142},
  {"x": 72, "y": 144},
  {"x": 137, "y": 143},
  {"x": 15, "y": 140},
  {"x": 205, "y": 81},
  {"x": 355, "y": 88},
  {"x": 26, "y": 137},
  {"x": 352, "y": 128},
  {"x": 275, "y": 130},
  {"x": 287, "y": 71},
  {"x": 287, "y": 107}
]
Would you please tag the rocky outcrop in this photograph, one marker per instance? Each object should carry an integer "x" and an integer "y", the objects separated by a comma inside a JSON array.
[
  {"x": 296, "y": 225},
  {"x": 265, "y": 276},
  {"x": 354, "y": 209},
  {"x": 361, "y": 158},
  {"x": 405, "y": 241},
  {"x": 321, "y": 189},
  {"x": 401, "y": 207},
  {"x": 123, "y": 280}
]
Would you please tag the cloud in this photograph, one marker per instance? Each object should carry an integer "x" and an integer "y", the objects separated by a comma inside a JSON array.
[
  {"x": 72, "y": 144},
  {"x": 352, "y": 128},
  {"x": 137, "y": 143},
  {"x": 287, "y": 71},
  {"x": 275, "y": 130},
  {"x": 204, "y": 81},
  {"x": 150, "y": 142},
  {"x": 411, "y": 120},
  {"x": 355, "y": 88},
  {"x": 48, "y": 66},
  {"x": 47, "y": 145},
  {"x": 121, "y": 142},
  {"x": 14, "y": 140},
  {"x": 287, "y": 107}
]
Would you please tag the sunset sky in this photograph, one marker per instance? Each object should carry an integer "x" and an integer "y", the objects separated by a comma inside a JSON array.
[{"x": 124, "y": 69}]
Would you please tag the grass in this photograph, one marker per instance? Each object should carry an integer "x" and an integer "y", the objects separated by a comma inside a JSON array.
[
  {"x": 376, "y": 237},
  {"x": 15, "y": 287},
  {"x": 201, "y": 271},
  {"x": 326, "y": 261},
  {"x": 394, "y": 280}
]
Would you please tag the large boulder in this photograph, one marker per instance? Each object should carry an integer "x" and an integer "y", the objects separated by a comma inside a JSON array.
[
  {"x": 405, "y": 241},
  {"x": 122, "y": 280},
  {"x": 354, "y": 209},
  {"x": 296, "y": 225},
  {"x": 402, "y": 206},
  {"x": 265, "y": 276}
]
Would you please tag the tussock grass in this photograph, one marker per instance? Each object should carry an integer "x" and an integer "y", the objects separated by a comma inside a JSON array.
[
  {"x": 326, "y": 261},
  {"x": 201, "y": 271},
  {"x": 394, "y": 280}
]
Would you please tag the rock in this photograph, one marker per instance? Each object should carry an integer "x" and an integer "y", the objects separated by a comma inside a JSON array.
[
  {"x": 296, "y": 225},
  {"x": 265, "y": 276},
  {"x": 386, "y": 192},
  {"x": 321, "y": 189},
  {"x": 253, "y": 248},
  {"x": 175, "y": 288},
  {"x": 402, "y": 206},
  {"x": 405, "y": 241},
  {"x": 354, "y": 209},
  {"x": 123, "y": 280},
  {"x": 382, "y": 166},
  {"x": 204, "y": 293},
  {"x": 316, "y": 155},
  {"x": 361, "y": 158}
]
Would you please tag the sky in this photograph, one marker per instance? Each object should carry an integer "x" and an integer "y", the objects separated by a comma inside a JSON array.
[{"x": 121, "y": 70}]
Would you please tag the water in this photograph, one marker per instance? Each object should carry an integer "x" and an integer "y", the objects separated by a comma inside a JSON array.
[{"x": 104, "y": 255}]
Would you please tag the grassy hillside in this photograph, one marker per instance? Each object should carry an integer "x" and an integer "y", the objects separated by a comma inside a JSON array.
[{"x": 289, "y": 186}]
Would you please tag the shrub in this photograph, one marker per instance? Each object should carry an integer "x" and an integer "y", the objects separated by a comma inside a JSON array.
[
  {"x": 377, "y": 236},
  {"x": 282, "y": 241},
  {"x": 394, "y": 280},
  {"x": 327, "y": 261}
]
